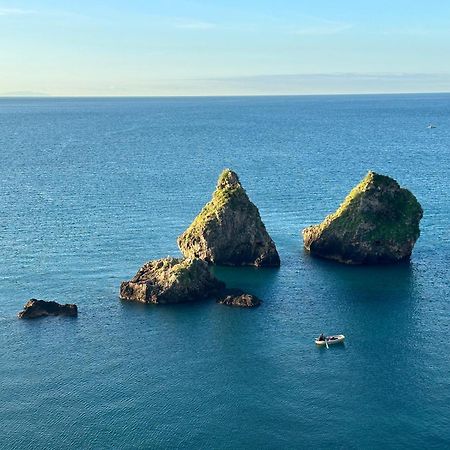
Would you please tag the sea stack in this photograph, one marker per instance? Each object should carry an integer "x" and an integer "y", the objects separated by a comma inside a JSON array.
[
  {"x": 229, "y": 230},
  {"x": 171, "y": 280},
  {"x": 41, "y": 308},
  {"x": 377, "y": 223}
]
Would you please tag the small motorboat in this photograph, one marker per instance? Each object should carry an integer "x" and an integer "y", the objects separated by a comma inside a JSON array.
[
  {"x": 431, "y": 126},
  {"x": 330, "y": 340}
]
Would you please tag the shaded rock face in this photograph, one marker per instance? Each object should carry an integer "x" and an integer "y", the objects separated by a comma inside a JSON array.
[
  {"x": 40, "y": 308},
  {"x": 377, "y": 223},
  {"x": 238, "y": 298},
  {"x": 229, "y": 230},
  {"x": 171, "y": 280}
]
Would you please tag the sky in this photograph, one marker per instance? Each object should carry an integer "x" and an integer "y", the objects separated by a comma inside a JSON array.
[{"x": 229, "y": 47}]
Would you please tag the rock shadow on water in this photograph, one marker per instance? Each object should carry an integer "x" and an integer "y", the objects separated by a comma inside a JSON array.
[
  {"x": 173, "y": 317},
  {"x": 374, "y": 306},
  {"x": 372, "y": 282},
  {"x": 257, "y": 281}
]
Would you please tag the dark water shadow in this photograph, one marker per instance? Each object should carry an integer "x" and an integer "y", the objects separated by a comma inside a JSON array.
[
  {"x": 371, "y": 282},
  {"x": 247, "y": 278},
  {"x": 149, "y": 308},
  {"x": 376, "y": 308}
]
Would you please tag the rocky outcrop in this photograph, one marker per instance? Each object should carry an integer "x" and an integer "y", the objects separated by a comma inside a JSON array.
[
  {"x": 40, "y": 308},
  {"x": 229, "y": 230},
  {"x": 235, "y": 297},
  {"x": 171, "y": 280},
  {"x": 377, "y": 223}
]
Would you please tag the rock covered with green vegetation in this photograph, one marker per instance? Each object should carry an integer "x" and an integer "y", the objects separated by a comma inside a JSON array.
[
  {"x": 171, "y": 280},
  {"x": 377, "y": 223},
  {"x": 229, "y": 230}
]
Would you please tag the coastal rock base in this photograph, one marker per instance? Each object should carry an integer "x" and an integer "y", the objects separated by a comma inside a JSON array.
[{"x": 171, "y": 280}]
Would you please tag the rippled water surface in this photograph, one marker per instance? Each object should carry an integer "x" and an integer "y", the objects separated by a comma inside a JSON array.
[{"x": 92, "y": 188}]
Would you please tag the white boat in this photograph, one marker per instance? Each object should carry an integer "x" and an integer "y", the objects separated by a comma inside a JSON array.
[
  {"x": 331, "y": 340},
  {"x": 431, "y": 126}
]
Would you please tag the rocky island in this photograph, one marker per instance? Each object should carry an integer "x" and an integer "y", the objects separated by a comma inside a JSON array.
[
  {"x": 171, "y": 280},
  {"x": 377, "y": 223},
  {"x": 229, "y": 230},
  {"x": 41, "y": 308}
]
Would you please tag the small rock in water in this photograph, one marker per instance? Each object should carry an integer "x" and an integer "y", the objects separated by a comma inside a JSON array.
[
  {"x": 239, "y": 298},
  {"x": 41, "y": 308}
]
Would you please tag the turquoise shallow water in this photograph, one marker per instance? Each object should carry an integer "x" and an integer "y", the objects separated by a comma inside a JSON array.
[{"x": 93, "y": 188}]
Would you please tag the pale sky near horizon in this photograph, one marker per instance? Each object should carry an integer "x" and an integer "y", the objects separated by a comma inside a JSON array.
[{"x": 200, "y": 47}]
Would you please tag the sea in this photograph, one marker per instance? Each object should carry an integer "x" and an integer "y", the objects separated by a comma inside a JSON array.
[{"x": 92, "y": 188}]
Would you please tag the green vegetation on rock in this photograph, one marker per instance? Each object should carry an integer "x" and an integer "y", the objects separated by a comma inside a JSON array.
[
  {"x": 229, "y": 192},
  {"x": 378, "y": 222},
  {"x": 229, "y": 230}
]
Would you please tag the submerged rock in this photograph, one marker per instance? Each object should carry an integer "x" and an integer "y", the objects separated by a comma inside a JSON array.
[
  {"x": 229, "y": 230},
  {"x": 171, "y": 280},
  {"x": 40, "y": 308},
  {"x": 235, "y": 297},
  {"x": 377, "y": 223}
]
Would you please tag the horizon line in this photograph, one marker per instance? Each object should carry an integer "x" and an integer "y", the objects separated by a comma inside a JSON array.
[{"x": 322, "y": 94}]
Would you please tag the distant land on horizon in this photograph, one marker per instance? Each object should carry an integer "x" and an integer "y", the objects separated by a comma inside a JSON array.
[
  {"x": 325, "y": 94},
  {"x": 255, "y": 85}
]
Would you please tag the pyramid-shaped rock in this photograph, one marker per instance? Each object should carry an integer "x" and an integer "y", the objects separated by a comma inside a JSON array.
[
  {"x": 378, "y": 222},
  {"x": 229, "y": 230}
]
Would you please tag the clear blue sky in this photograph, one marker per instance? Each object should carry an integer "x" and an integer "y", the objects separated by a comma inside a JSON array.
[{"x": 191, "y": 47}]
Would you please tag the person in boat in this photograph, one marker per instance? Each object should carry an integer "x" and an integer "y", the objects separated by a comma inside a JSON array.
[{"x": 321, "y": 337}]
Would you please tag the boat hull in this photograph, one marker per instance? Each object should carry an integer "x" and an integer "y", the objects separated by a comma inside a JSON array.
[{"x": 339, "y": 338}]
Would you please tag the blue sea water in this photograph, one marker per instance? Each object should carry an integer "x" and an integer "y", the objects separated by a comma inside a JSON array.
[{"x": 93, "y": 188}]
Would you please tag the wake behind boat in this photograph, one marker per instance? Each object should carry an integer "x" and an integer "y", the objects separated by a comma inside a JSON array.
[{"x": 329, "y": 340}]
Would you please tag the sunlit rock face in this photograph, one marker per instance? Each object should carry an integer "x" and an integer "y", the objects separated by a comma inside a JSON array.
[{"x": 229, "y": 230}]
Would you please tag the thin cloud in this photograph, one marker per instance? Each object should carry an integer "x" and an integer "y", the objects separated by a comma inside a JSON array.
[
  {"x": 186, "y": 23},
  {"x": 418, "y": 31},
  {"x": 326, "y": 83},
  {"x": 192, "y": 24},
  {"x": 15, "y": 12},
  {"x": 322, "y": 29},
  {"x": 316, "y": 26}
]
